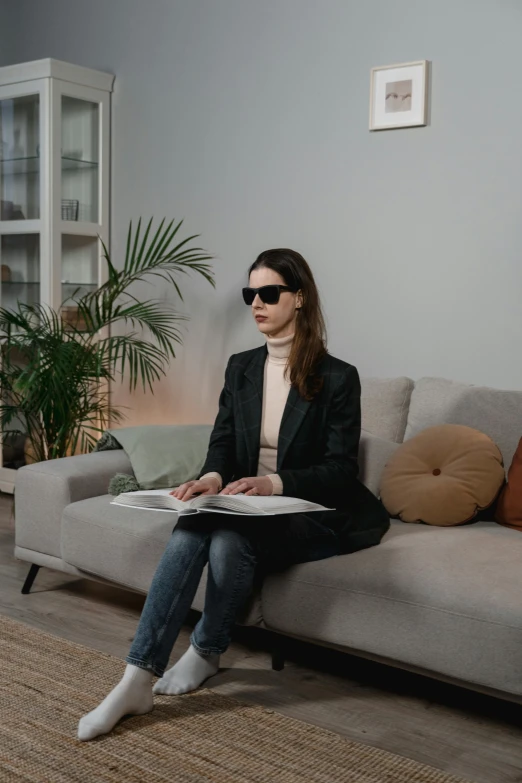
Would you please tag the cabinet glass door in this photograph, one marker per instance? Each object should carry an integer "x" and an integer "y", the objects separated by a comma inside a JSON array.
[
  {"x": 80, "y": 159},
  {"x": 20, "y": 281},
  {"x": 20, "y": 158}
]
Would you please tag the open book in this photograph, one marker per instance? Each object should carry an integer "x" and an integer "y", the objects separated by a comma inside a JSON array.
[{"x": 160, "y": 499}]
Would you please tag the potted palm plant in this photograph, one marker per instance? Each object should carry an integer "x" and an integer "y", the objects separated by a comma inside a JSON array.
[{"x": 54, "y": 372}]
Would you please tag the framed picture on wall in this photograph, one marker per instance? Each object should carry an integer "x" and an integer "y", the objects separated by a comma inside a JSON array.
[{"x": 399, "y": 95}]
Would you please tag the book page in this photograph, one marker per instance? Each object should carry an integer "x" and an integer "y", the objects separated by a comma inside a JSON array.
[
  {"x": 257, "y": 504},
  {"x": 155, "y": 508},
  {"x": 239, "y": 503},
  {"x": 155, "y": 498}
]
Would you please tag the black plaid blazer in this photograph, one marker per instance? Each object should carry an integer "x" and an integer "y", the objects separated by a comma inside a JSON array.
[{"x": 317, "y": 449}]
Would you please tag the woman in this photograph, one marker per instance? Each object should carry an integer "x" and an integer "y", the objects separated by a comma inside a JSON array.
[{"x": 289, "y": 422}]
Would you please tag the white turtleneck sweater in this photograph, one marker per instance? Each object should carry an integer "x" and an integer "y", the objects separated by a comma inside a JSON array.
[{"x": 275, "y": 394}]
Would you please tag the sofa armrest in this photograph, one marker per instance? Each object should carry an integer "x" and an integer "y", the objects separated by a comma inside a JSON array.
[
  {"x": 374, "y": 453},
  {"x": 44, "y": 489}
]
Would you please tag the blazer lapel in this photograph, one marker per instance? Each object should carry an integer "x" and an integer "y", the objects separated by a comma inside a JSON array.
[
  {"x": 251, "y": 398},
  {"x": 251, "y": 406},
  {"x": 295, "y": 410}
]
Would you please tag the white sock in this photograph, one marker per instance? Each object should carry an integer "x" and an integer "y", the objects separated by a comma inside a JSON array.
[
  {"x": 188, "y": 673},
  {"x": 131, "y": 696}
]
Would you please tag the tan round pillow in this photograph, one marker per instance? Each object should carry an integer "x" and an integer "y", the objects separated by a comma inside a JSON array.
[{"x": 442, "y": 476}]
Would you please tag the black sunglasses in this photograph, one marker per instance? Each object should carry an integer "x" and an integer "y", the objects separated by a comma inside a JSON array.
[{"x": 269, "y": 294}]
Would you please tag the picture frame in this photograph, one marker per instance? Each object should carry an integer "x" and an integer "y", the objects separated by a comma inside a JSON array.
[{"x": 399, "y": 95}]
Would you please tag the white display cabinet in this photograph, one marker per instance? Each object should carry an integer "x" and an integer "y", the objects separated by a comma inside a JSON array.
[{"x": 54, "y": 192}]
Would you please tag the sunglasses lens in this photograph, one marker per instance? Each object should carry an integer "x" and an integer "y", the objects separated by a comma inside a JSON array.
[
  {"x": 248, "y": 295},
  {"x": 269, "y": 294}
]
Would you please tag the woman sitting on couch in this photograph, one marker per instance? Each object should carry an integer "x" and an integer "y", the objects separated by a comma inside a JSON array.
[{"x": 289, "y": 423}]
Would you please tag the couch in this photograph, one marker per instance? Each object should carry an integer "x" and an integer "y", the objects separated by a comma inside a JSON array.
[{"x": 439, "y": 601}]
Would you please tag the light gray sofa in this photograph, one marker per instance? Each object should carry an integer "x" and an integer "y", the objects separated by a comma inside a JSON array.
[{"x": 440, "y": 601}]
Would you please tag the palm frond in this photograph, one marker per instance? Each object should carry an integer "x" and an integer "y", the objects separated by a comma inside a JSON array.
[{"x": 52, "y": 373}]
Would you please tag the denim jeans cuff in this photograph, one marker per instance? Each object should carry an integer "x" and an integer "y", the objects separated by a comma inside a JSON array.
[
  {"x": 208, "y": 651},
  {"x": 142, "y": 665}
]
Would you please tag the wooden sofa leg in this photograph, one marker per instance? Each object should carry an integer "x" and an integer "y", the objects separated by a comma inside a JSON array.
[
  {"x": 278, "y": 655},
  {"x": 30, "y": 578}
]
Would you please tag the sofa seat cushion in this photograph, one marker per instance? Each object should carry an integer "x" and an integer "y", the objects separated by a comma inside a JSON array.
[
  {"x": 446, "y": 600},
  {"x": 442, "y": 476},
  {"x": 125, "y": 545},
  {"x": 44, "y": 489}
]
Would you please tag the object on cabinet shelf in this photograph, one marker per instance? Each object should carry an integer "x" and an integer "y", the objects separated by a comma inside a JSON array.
[
  {"x": 6, "y": 273},
  {"x": 70, "y": 208},
  {"x": 10, "y": 211},
  {"x": 71, "y": 317},
  {"x": 14, "y": 446},
  {"x": 17, "y": 213},
  {"x": 6, "y": 210}
]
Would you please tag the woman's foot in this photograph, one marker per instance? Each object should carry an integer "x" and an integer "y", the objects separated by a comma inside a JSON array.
[
  {"x": 131, "y": 696},
  {"x": 188, "y": 673}
]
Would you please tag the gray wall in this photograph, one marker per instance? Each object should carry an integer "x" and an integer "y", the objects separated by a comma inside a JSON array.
[
  {"x": 7, "y": 20},
  {"x": 250, "y": 121}
]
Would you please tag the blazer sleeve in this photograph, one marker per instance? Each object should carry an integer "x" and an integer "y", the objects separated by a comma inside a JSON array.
[
  {"x": 339, "y": 467},
  {"x": 222, "y": 444}
]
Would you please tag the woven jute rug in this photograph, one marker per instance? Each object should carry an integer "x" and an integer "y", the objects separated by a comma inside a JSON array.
[{"x": 48, "y": 683}]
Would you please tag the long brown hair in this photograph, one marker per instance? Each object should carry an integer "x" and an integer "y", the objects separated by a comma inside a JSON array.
[{"x": 309, "y": 343}]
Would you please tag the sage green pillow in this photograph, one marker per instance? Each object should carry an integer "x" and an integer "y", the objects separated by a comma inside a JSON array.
[{"x": 164, "y": 455}]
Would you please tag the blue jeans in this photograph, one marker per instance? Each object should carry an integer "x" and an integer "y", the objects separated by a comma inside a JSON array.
[{"x": 237, "y": 549}]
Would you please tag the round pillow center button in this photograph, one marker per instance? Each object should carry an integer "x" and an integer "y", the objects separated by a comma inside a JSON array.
[{"x": 436, "y": 472}]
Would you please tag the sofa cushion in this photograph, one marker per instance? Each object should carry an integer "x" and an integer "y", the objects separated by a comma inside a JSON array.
[
  {"x": 493, "y": 411},
  {"x": 125, "y": 545},
  {"x": 446, "y": 600},
  {"x": 384, "y": 406},
  {"x": 442, "y": 476},
  {"x": 374, "y": 453},
  {"x": 509, "y": 508},
  {"x": 164, "y": 455}
]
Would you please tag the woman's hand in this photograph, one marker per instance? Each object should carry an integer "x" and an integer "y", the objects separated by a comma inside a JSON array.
[
  {"x": 254, "y": 485},
  {"x": 208, "y": 486}
]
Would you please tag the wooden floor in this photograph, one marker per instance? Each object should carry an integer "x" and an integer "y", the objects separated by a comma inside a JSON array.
[{"x": 450, "y": 728}]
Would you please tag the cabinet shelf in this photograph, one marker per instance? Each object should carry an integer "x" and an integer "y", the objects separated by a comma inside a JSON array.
[{"x": 31, "y": 165}]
